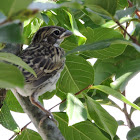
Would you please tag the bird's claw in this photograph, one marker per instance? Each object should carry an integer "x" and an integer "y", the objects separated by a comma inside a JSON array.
[{"x": 50, "y": 116}]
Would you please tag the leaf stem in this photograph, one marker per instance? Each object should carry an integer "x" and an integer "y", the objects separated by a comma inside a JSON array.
[{"x": 22, "y": 129}]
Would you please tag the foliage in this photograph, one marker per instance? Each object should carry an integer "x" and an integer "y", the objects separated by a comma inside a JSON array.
[{"x": 99, "y": 32}]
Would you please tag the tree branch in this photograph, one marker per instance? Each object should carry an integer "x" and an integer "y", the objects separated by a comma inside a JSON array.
[
  {"x": 22, "y": 129},
  {"x": 49, "y": 110},
  {"x": 128, "y": 118},
  {"x": 48, "y": 129}
]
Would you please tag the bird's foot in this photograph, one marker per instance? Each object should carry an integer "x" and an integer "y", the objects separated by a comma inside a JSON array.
[{"x": 50, "y": 116}]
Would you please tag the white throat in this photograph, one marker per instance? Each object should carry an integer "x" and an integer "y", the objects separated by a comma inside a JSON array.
[{"x": 58, "y": 42}]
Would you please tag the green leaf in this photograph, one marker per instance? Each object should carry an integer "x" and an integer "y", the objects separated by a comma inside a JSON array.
[
  {"x": 122, "y": 4},
  {"x": 83, "y": 130},
  {"x": 94, "y": 17},
  {"x": 116, "y": 94},
  {"x": 106, "y": 7},
  {"x": 6, "y": 119},
  {"x": 74, "y": 4},
  {"x": 75, "y": 30},
  {"x": 10, "y": 7},
  {"x": 45, "y": 18},
  {"x": 101, "y": 117},
  {"x": 12, "y": 102},
  {"x": 10, "y": 76},
  {"x": 103, "y": 34},
  {"x": 102, "y": 71},
  {"x": 10, "y": 33},
  {"x": 108, "y": 101},
  {"x": 100, "y": 11},
  {"x": 120, "y": 122},
  {"x": 134, "y": 134},
  {"x": 100, "y": 45},
  {"x": 28, "y": 134},
  {"x": 16, "y": 60},
  {"x": 47, "y": 95},
  {"x": 75, "y": 110},
  {"x": 77, "y": 74},
  {"x": 137, "y": 102},
  {"x": 68, "y": 45},
  {"x": 137, "y": 32},
  {"x": 122, "y": 13},
  {"x": 30, "y": 27},
  {"x": 125, "y": 73}
]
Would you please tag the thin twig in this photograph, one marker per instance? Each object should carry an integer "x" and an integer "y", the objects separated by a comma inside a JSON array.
[
  {"x": 128, "y": 118},
  {"x": 125, "y": 31},
  {"x": 74, "y": 94},
  {"x": 22, "y": 129}
]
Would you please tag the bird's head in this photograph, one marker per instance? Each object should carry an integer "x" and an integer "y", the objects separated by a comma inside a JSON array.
[{"x": 53, "y": 35}]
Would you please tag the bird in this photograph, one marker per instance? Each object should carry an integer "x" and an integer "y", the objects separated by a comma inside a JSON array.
[{"x": 45, "y": 56}]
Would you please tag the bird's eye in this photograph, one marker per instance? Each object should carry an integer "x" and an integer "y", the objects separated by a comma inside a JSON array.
[{"x": 56, "y": 32}]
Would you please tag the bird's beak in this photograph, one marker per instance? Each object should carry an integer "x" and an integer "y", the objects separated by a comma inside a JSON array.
[{"x": 67, "y": 33}]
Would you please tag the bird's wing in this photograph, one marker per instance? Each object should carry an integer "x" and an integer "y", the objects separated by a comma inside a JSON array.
[{"x": 44, "y": 67}]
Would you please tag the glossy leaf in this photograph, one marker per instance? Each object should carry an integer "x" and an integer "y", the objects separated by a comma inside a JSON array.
[
  {"x": 125, "y": 73},
  {"x": 134, "y": 134},
  {"x": 102, "y": 71},
  {"x": 94, "y": 17},
  {"x": 10, "y": 7},
  {"x": 122, "y": 13},
  {"x": 101, "y": 117},
  {"x": 99, "y": 45},
  {"x": 109, "y": 102},
  {"x": 30, "y": 27},
  {"x": 12, "y": 102},
  {"x": 122, "y": 4},
  {"x": 10, "y": 76},
  {"x": 16, "y": 60},
  {"x": 77, "y": 74},
  {"x": 103, "y": 34},
  {"x": 10, "y": 33},
  {"x": 116, "y": 94},
  {"x": 83, "y": 130},
  {"x": 28, "y": 134},
  {"x": 75, "y": 29},
  {"x": 6, "y": 119},
  {"x": 106, "y": 7},
  {"x": 75, "y": 110},
  {"x": 137, "y": 32},
  {"x": 68, "y": 45},
  {"x": 45, "y": 18},
  {"x": 120, "y": 122}
]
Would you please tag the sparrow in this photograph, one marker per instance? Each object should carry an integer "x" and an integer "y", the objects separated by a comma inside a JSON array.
[{"x": 45, "y": 56}]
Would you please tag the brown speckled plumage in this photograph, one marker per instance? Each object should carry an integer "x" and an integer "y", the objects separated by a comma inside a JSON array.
[{"x": 46, "y": 58}]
